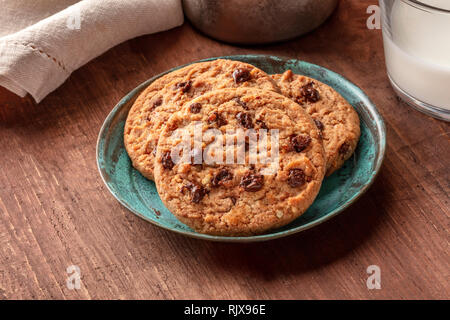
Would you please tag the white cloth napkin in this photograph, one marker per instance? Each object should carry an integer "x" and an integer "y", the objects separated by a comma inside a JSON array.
[{"x": 42, "y": 42}]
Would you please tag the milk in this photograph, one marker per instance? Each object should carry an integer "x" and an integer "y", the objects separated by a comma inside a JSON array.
[{"x": 418, "y": 55}]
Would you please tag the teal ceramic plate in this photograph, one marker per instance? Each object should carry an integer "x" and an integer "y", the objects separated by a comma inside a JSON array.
[{"x": 338, "y": 191}]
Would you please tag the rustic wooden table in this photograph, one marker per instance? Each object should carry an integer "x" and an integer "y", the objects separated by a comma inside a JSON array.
[{"x": 56, "y": 212}]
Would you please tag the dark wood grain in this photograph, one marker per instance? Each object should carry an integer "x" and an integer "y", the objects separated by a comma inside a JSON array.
[{"x": 55, "y": 210}]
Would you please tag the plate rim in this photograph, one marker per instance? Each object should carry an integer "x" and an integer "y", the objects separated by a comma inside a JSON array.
[{"x": 369, "y": 105}]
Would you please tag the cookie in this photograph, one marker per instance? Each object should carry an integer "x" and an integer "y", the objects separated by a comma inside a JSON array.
[
  {"x": 165, "y": 95},
  {"x": 226, "y": 192},
  {"x": 334, "y": 116}
]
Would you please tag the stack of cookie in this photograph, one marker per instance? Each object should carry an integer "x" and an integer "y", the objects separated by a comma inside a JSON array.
[{"x": 193, "y": 130}]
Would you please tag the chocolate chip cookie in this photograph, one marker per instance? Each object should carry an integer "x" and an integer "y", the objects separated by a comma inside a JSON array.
[
  {"x": 239, "y": 162},
  {"x": 333, "y": 115},
  {"x": 165, "y": 95}
]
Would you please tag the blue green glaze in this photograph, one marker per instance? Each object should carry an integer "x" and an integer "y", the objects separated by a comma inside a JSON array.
[{"x": 338, "y": 191}]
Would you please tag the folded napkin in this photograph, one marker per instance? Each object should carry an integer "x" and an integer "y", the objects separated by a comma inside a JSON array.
[{"x": 43, "y": 42}]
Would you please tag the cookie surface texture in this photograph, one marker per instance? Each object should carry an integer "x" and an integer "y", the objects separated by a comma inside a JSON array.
[
  {"x": 333, "y": 115},
  {"x": 166, "y": 94},
  {"x": 220, "y": 196}
]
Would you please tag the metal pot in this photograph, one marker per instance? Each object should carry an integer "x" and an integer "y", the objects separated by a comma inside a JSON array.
[{"x": 257, "y": 21}]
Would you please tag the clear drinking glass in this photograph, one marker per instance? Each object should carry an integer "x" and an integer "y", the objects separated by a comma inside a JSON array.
[{"x": 416, "y": 36}]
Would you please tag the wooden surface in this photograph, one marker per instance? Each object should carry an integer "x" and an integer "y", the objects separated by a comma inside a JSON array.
[{"x": 56, "y": 212}]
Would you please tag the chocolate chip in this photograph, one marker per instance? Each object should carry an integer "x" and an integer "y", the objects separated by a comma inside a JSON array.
[
  {"x": 343, "y": 149},
  {"x": 184, "y": 86},
  {"x": 217, "y": 118},
  {"x": 241, "y": 75},
  {"x": 233, "y": 200},
  {"x": 245, "y": 119},
  {"x": 221, "y": 121},
  {"x": 300, "y": 142},
  {"x": 198, "y": 192},
  {"x": 319, "y": 124},
  {"x": 252, "y": 182},
  {"x": 222, "y": 176},
  {"x": 308, "y": 93},
  {"x": 157, "y": 102},
  {"x": 296, "y": 178},
  {"x": 195, "y": 107},
  {"x": 166, "y": 161},
  {"x": 262, "y": 124},
  {"x": 241, "y": 103}
]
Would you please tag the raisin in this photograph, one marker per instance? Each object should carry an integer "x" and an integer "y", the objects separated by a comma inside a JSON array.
[
  {"x": 309, "y": 94},
  {"x": 343, "y": 149},
  {"x": 300, "y": 142},
  {"x": 184, "y": 86},
  {"x": 217, "y": 118},
  {"x": 241, "y": 75},
  {"x": 241, "y": 103},
  {"x": 245, "y": 119},
  {"x": 296, "y": 178},
  {"x": 166, "y": 161},
  {"x": 252, "y": 182},
  {"x": 221, "y": 177},
  {"x": 233, "y": 200},
  {"x": 198, "y": 192},
  {"x": 319, "y": 124},
  {"x": 195, "y": 107}
]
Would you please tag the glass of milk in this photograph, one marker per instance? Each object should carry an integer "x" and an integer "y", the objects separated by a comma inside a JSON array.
[{"x": 416, "y": 37}]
